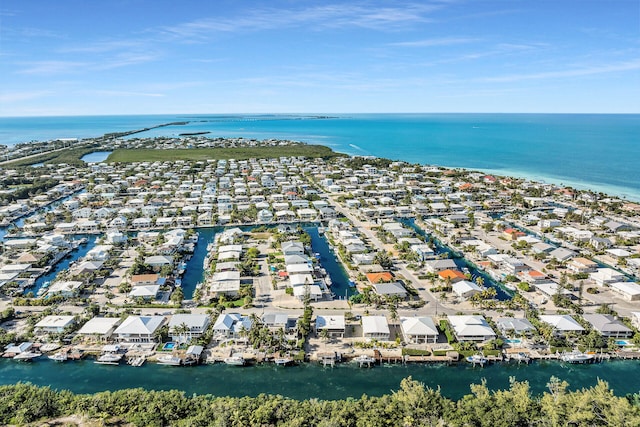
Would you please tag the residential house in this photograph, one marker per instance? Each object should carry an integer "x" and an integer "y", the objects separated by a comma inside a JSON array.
[
  {"x": 195, "y": 325},
  {"x": 139, "y": 329},
  {"x": 562, "y": 324},
  {"x": 471, "y": 328},
  {"x": 608, "y": 326},
  {"x": 375, "y": 327},
  {"x": 54, "y": 324},
  {"x": 100, "y": 328},
  {"x": 419, "y": 330},
  {"x": 333, "y": 324}
]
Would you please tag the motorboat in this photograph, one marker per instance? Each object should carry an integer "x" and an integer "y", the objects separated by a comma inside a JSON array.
[
  {"x": 576, "y": 357},
  {"x": 477, "y": 359},
  {"x": 520, "y": 357},
  {"x": 283, "y": 361},
  {"x": 109, "y": 359},
  {"x": 235, "y": 360},
  {"x": 364, "y": 359},
  {"x": 60, "y": 356},
  {"x": 167, "y": 359}
]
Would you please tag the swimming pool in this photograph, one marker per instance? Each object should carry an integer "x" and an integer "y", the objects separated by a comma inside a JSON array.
[
  {"x": 622, "y": 342},
  {"x": 513, "y": 341},
  {"x": 169, "y": 346}
]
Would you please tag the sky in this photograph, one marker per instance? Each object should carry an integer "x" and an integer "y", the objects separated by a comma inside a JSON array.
[{"x": 75, "y": 57}]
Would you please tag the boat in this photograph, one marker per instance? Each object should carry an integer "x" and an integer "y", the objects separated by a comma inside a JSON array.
[
  {"x": 27, "y": 356},
  {"x": 363, "y": 359},
  {"x": 235, "y": 360},
  {"x": 60, "y": 356},
  {"x": 283, "y": 361},
  {"x": 520, "y": 357},
  {"x": 321, "y": 230},
  {"x": 167, "y": 359},
  {"x": 136, "y": 361},
  {"x": 478, "y": 359},
  {"x": 576, "y": 357},
  {"x": 109, "y": 359}
]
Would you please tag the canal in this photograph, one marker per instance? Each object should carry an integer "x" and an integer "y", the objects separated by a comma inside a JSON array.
[{"x": 339, "y": 277}]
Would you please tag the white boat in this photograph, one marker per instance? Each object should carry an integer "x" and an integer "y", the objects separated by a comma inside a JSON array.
[
  {"x": 520, "y": 357},
  {"x": 283, "y": 361},
  {"x": 478, "y": 359},
  {"x": 60, "y": 356},
  {"x": 26, "y": 356},
  {"x": 109, "y": 359},
  {"x": 167, "y": 359},
  {"x": 235, "y": 360},
  {"x": 576, "y": 357},
  {"x": 363, "y": 360}
]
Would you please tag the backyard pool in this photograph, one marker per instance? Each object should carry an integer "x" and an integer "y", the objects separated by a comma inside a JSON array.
[{"x": 169, "y": 346}]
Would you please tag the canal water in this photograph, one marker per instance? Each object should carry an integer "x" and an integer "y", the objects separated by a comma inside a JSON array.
[
  {"x": 502, "y": 293},
  {"x": 339, "y": 278},
  {"x": 308, "y": 381},
  {"x": 64, "y": 264},
  {"x": 194, "y": 273}
]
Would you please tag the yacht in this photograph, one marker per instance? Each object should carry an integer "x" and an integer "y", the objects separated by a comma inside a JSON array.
[
  {"x": 167, "y": 359},
  {"x": 235, "y": 360},
  {"x": 576, "y": 357},
  {"x": 109, "y": 359},
  {"x": 283, "y": 361},
  {"x": 60, "y": 356},
  {"x": 477, "y": 359}
]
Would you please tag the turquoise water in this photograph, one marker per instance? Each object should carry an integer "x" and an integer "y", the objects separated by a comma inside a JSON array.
[
  {"x": 168, "y": 346},
  {"x": 312, "y": 380},
  {"x": 96, "y": 157},
  {"x": 584, "y": 150},
  {"x": 194, "y": 272}
]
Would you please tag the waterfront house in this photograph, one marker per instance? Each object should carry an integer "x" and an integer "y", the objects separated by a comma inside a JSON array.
[
  {"x": 562, "y": 324},
  {"x": 292, "y": 248},
  {"x": 158, "y": 261},
  {"x": 100, "y": 328},
  {"x": 195, "y": 325},
  {"x": 333, "y": 324},
  {"x": 438, "y": 265},
  {"x": 452, "y": 275},
  {"x": 65, "y": 288},
  {"x": 466, "y": 289},
  {"x": 605, "y": 276},
  {"x": 582, "y": 265},
  {"x": 562, "y": 254},
  {"x": 146, "y": 292},
  {"x": 315, "y": 293},
  {"x": 630, "y": 291},
  {"x": 608, "y": 326},
  {"x": 392, "y": 289},
  {"x": 139, "y": 329},
  {"x": 514, "y": 326},
  {"x": 275, "y": 321},
  {"x": 419, "y": 330},
  {"x": 375, "y": 327},
  {"x": 144, "y": 279},
  {"x": 223, "y": 326},
  {"x": 54, "y": 324},
  {"x": 471, "y": 328}
]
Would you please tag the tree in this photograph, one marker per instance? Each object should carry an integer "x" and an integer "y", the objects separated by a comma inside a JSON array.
[
  {"x": 177, "y": 296},
  {"x": 383, "y": 259}
]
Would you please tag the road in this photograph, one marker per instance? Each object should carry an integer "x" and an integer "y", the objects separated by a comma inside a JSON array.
[{"x": 432, "y": 306}]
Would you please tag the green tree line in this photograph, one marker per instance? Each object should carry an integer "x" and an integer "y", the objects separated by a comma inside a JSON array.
[{"x": 412, "y": 404}]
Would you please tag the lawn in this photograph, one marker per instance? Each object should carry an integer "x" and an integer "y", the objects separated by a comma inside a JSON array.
[{"x": 203, "y": 154}]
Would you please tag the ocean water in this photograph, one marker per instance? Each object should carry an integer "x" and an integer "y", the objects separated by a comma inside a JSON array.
[{"x": 587, "y": 151}]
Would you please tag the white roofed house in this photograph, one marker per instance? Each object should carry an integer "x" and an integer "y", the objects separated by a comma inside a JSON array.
[
  {"x": 388, "y": 290},
  {"x": 466, "y": 289},
  {"x": 223, "y": 326},
  {"x": 604, "y": 276},
  {"x": 292, "y": 248},
  {"x": 225, "y": 283},
  {"x": 333, "y": 324},
  {"x": 514, "y": 326},
  {"x": 65, "y": 288},
  {"x": 608, "y": 326},
  {"x": 562, "y": 324},
  {"x": 628, "y": 290},
  {"x": 139, "y": 329},
  {"x": 275, "y": 320},
  {"x": 100, "y": 328},
  {"x": 471, "y": 328},
  {"x": 184, "y": 327},
  {"x": 54, "y": 324},
  {"x": 375, "y": 327},
  {"x": 419, "y": 330}
]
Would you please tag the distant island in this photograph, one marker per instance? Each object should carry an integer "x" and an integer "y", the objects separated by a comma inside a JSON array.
[{"x": 194, "y": 133}]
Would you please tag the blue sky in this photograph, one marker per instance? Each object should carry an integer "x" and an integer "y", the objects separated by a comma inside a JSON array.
[{"x": 69, "y": 57}]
